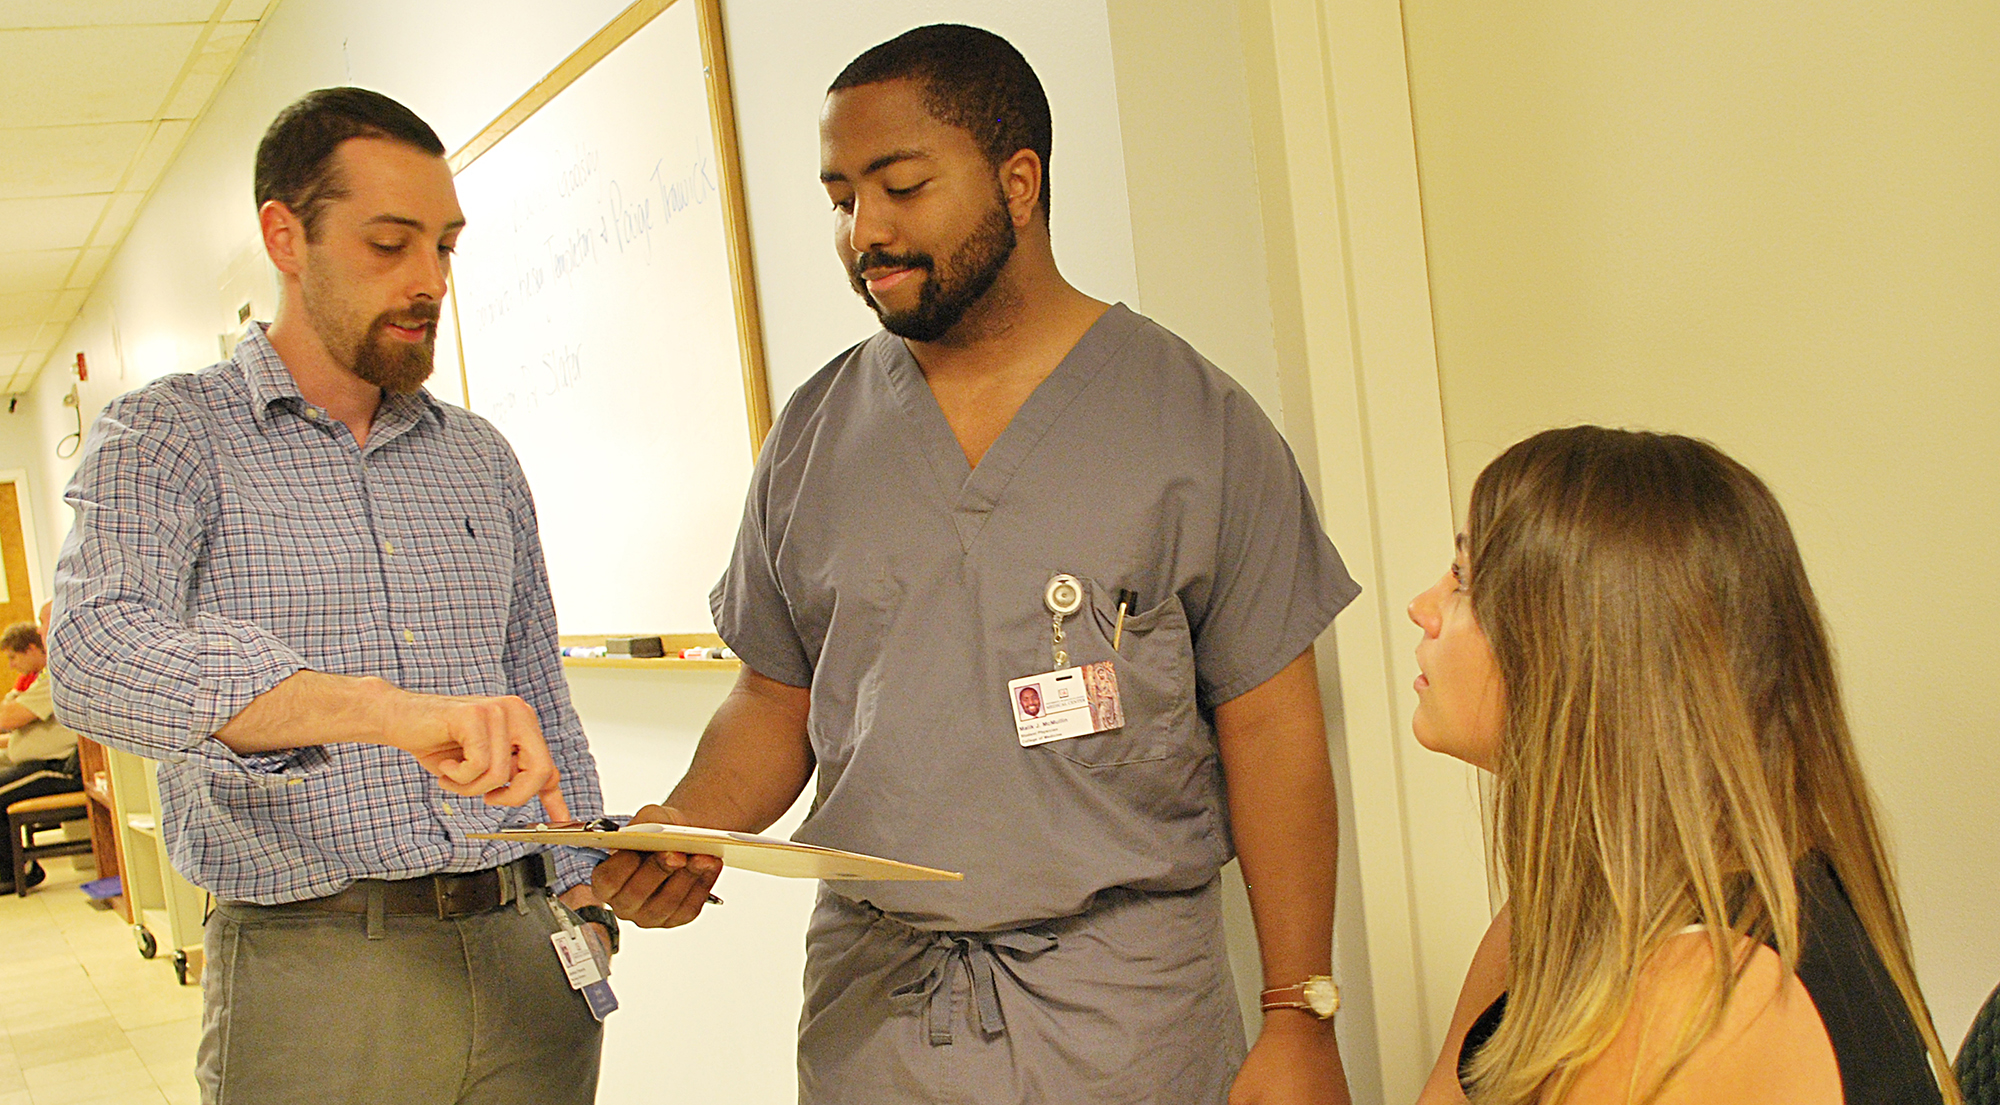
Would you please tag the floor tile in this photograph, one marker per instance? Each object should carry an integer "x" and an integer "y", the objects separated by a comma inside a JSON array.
[
  {"x": 165, "y": 1044},
  {"x": 106, "y": 1026},
  {"x": 154, "y": 1005},
  {"x": 168, "y": 1052},
  {"x": 119, "y": 1076},
  {"x": 41, "y": 1047}
]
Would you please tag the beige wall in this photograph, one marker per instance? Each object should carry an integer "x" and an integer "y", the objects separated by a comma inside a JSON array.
[{"x": 1775, "y": 226}]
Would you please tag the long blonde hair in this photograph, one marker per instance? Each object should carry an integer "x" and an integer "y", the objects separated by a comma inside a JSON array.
[{"x": 1673, "y": 741}]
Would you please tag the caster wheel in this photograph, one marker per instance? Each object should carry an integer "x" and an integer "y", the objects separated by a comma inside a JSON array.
[
  {"x": 148, "y": 947},
  {"x": 181, "y": 967}
]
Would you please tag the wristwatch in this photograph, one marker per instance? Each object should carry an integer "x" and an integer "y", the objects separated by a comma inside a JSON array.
[
  {"x": 603, "y": 917},
  {"x": 1318, "y": 995}
]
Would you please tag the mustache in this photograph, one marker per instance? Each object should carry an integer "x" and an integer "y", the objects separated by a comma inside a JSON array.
[
  {"x": 421, "y": 314},
  {"x": 867, "y": 261}
]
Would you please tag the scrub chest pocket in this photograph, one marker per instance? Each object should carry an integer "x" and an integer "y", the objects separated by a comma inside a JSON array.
[{"x": 1155, "y": 663}]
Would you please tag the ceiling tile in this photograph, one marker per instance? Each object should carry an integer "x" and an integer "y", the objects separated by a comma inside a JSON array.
[
  {"x": 153, "y": 160},
  {"x": 36, "y": 271},
  {"x": 68, "y": 161},
  {"x": 18, "y": 339},
  {"x": 210, "y": 66},
  {"x": 91, "y": 74},
  {"x": 98, "y": 13},
  {"x": 49, "y": 223},
  {"x": 192, "y": 95},
  {"x": 247, "y": 9},
  {"x": 93, "y": 263},
  {"x": 64, "y": 312},
  {"x": 25, "y": 310},
  {"x": 67, "y": 304},
  {"x": 117, "y": 218},
  {"x": 227, "y": 40},
  {"x": 10, "y": 363}
]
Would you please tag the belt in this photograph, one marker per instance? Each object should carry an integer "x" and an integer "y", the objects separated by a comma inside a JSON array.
[{"x": 445, "y": 896}]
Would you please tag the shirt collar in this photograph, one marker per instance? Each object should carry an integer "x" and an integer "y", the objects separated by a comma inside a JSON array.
[{"x": 271, "y": 384}]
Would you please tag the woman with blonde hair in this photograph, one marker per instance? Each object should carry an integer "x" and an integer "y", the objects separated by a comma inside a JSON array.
[{"x": 1700, "y": 905}]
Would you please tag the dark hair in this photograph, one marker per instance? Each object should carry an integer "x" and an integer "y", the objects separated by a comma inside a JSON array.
[
  {"x": 968, "y": 78},
  {"x": 20, "y": 637},
  {"x": 294, "y": 161}
]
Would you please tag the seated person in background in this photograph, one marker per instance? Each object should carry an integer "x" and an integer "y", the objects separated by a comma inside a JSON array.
[
  {"x": 1701, "y": 909},
  {"x": 37, "y": 755}
]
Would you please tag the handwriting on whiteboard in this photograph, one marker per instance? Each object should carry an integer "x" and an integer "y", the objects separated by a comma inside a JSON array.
[{"x": 597, "y": 220}]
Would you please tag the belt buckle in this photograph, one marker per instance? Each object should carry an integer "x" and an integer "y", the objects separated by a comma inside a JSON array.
[{"x": 443, "y": 896}]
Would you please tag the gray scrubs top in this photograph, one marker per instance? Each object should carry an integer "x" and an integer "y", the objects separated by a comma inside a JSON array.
[{"x": 904, "y": 587}]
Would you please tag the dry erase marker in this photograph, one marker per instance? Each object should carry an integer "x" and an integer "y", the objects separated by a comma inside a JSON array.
[{"x": 1126, "y": 601}]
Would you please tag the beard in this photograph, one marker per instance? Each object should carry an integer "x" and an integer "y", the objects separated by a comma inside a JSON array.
[
  {"x": 948, "y": 292},
  {"x": 366, "y": 349},
  {"x": 394, "y": 365}
]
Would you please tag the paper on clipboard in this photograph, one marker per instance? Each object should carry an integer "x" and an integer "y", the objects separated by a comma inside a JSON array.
[{"x": 766, "y": 854}]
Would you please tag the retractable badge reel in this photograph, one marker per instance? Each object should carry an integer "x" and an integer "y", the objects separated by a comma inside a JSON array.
[{"x": 1063, "y": 597}]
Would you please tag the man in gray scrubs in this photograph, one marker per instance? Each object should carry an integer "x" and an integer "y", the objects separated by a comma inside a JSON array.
[{"x": 1015, "y": 486}]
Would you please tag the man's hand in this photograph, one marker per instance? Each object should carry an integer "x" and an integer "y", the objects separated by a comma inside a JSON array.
[
  {"x": 656, "y": 889},
  {"x": 489, "y": 748},
  {"x": 1295, "y": 1061}
]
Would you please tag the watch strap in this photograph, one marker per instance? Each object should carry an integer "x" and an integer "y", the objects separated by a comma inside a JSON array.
[
  {"x": 1295, "y": 997},
  {"x": 602, "y": 916}
]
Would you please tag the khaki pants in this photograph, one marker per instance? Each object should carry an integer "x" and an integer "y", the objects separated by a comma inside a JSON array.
[{"x": 301, "y": 1006}]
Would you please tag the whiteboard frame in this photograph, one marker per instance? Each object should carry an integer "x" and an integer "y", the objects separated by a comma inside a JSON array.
[{"x": 735, "y": 214}]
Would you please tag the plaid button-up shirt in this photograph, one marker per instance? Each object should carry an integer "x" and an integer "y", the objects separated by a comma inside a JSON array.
[{"x": 228, "y": 534}]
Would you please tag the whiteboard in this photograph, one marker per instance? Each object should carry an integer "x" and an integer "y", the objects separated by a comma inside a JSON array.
[{"x": 604, "y": 326}]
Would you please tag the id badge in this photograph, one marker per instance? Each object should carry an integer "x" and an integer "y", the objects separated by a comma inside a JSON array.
[
  {"x": 1072, "y": 702},
  {"x": 586, "y": 973}
]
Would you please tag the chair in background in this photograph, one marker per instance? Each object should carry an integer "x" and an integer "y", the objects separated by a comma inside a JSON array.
[
  {"x": 29, "y": 816},
  {"x": 1978, "y": 1063}
]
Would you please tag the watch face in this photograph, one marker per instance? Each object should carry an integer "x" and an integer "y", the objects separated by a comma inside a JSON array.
[{"x": 1322, "y": 996}]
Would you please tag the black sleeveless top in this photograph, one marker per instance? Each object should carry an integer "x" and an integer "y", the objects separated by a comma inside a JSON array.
[{"x": 1881, "y": 1055}]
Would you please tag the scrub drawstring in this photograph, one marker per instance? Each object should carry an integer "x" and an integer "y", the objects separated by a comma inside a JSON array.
[{"x": 976, "y": 950}]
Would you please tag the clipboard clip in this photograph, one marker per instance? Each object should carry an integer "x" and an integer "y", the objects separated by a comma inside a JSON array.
[{"x": 605, "y": 824}]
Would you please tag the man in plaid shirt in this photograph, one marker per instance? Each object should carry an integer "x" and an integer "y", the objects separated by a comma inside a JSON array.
[{"x": 317, "y": 596}]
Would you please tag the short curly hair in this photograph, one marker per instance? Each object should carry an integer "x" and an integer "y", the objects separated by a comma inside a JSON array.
[
  {"x": 971, "y": 79},
  {"x": 20, "y": 637}
]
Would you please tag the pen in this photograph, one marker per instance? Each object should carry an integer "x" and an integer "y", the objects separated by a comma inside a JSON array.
[{"x": 1126, "y": 601}]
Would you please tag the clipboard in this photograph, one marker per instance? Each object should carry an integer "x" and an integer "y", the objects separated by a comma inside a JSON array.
[{"x": 766, "y": 854}]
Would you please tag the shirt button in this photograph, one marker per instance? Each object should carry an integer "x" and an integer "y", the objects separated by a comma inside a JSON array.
[
  {"x": 389, "y": 547},
  {"x": 316, "y": 413},
  {"x": 409, "y": 636}
]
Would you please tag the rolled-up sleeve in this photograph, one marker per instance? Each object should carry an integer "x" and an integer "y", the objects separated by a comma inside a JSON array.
[
  {"x": 133, "y": 666},
  {"x": 534, "y": 671}
]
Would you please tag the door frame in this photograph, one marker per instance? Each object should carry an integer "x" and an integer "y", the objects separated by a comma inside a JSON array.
[{"x": 38, "y": 584}]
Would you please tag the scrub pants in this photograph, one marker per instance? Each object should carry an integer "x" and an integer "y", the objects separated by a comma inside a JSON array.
[
  {"x": 300, "y": 1006},
  {"x": 1130, "y": 1003}
]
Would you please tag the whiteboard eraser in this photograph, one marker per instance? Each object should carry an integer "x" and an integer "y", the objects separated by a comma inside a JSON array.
[{"x": 644, "y": 648}]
